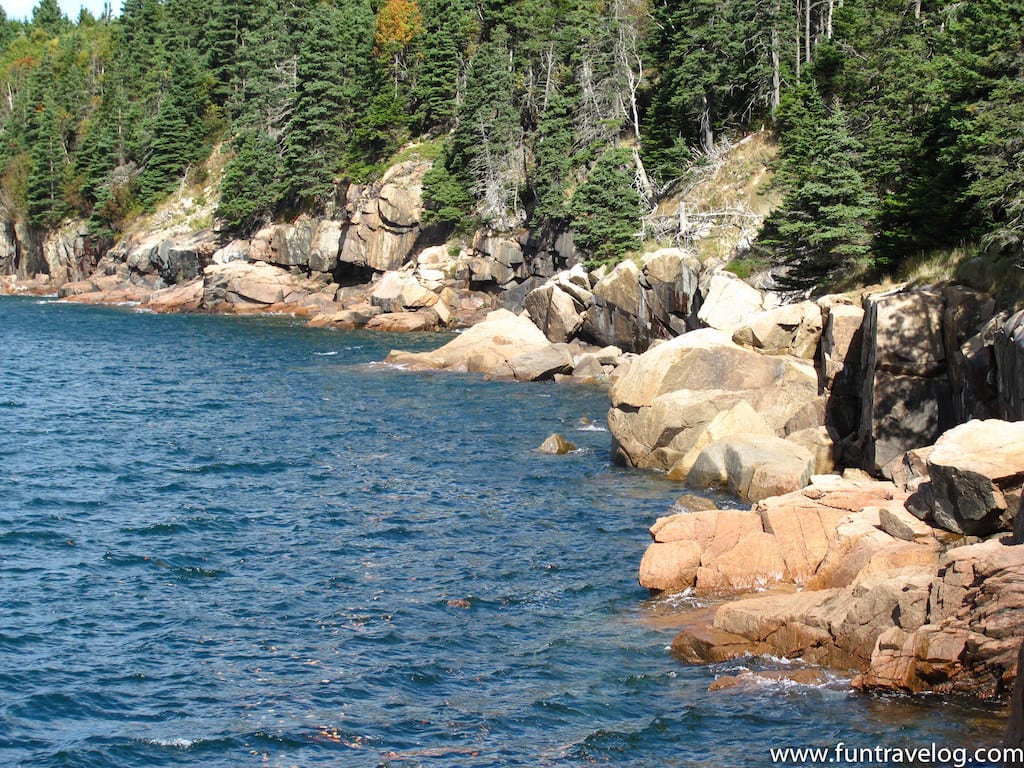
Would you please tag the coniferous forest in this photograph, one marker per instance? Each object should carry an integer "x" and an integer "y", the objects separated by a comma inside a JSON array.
[{"x": 900, "y": 123}]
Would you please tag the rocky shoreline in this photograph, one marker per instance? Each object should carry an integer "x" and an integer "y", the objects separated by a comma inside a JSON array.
[{"x": 877, "y": 435}]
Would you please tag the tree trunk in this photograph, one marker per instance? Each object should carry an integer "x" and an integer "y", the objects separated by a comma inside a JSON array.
[
  {"x": 707, "y": 135},
  {"x": 798, "y": 52},
  {"x": 776, "y": 62},
  {"x": 807, "y": 31}
]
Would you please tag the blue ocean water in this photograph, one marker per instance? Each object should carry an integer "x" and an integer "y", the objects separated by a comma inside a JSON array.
[{"x": 239, "y": 542}]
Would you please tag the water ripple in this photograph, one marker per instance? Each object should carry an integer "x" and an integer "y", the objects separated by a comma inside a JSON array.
[{"x": 231, "y": 542}]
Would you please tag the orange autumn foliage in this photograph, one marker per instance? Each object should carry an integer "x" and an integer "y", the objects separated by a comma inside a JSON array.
[{"x": 399, "y": 22}]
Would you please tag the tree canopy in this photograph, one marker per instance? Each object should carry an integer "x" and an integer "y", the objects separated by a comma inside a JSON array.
[{"x": 899, "y": 121}]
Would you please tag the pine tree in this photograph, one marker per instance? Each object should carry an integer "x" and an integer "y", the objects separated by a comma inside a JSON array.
[
  {"x": 606, "y": 208},
  {"x": 333, "y": 61},
  {"x": 252, "y": 182},
  {"x": 823, "y": 230}
]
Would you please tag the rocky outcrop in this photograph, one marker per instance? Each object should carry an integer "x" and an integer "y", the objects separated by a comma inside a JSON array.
[
  {"x": 286, "y": 245},
  {"x": 634, "y": 304},
  {"x": 783, "y": 539},
  {"x": 1009, "y": 356},
  {"x": 907, "y": 606},
  {"x": 554, "y": 311},
  {"x": 906, "y": 397},
  {"x": 384, "y": 218},
  {"x": 729, "y": 302},
  {"x": 506, "y": 345},
  {"x": 968, "y": 639},
  {"x": 792, "y": 329},
  {"x": 969, "y": 482},
  {"x": 676, "y": 398}
]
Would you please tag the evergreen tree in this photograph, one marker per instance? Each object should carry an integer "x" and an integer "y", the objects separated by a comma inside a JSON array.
[
  {"x": 252, "y": 181},
  {"x": 713, "y": 73},
  {"x": 555, "y": 140},
  {"x": 606, "y": 208},
  {"x": 48, "y": 17},
  {"x": 823, "y": 231},
  {"x": 446, "y": 200},
  {"x": 487, "y": 146},
  {"x": 333, "y": 62},
  {"x": 447, "y": 27},
  {"x": 178, "y": 136}
]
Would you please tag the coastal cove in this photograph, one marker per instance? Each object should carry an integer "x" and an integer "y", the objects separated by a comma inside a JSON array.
[{"x": 241, "y": 541}]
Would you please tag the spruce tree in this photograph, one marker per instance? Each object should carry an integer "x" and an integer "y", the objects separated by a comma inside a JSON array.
[
  {"x": 178, "y": 136},
  {"x": 252, "y": 182},
  {"x": 606, "y": 208},
  {"x": 823, "y": 230},
  {"x": 487, "y": 146},
  {"x": 334, "y": 57}
]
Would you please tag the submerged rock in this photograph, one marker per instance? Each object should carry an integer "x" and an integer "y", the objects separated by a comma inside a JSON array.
[{"x": 556, "y": 445}]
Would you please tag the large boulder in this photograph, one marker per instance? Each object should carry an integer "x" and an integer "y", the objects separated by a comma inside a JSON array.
[
  {"x": 635, "y": 304},
  {"x": 615, "y": 316},
  {"x": 326, "y": 245},
  {"x": 906, "y": 399},
  {"x": 792, "y": 329},
  {"x": 783, "y": 539},
  {"x": 753, "y": 467},
  {"x": 966, "y": 312},
  {"x": 236, "y": 250},
  {"x": 291, "y": 244},
  {"x": 841, "y": 366},
  {"x": 8, "y": 249},
  {"x": 403, "y": 322},
  {"x": 241, "y": 284},
  {"x": 158, "y": 260},
  {"x": 976, "y": 472},
  {"x": 398, "y": 291},
  {"x": 541, "y": 364},
  {"x": 669, "y": 396},
  {"x": 974, "y": 373},
  {"x": 484, "y": 348},
  {"x": 729, "y": 302},
  {"x": 184, "y": 297},
  {"x": 1009, "y": 355},
  {"x": 498, "y": 260},
  {"x": 554, "y": 311}
]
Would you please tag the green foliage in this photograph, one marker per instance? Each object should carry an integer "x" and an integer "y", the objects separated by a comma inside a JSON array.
[
  {"x": 446, "y": 200},
  {"x": 823, "y": 231},
  {"x": 899, "y": 123},
  {"x": 177, "y": 140},
  {"x": 714, "y": 73},
  {"x": 250, "y": 188},
  {"x": 553, "y": 146},
  {"x": 605, "y": 211},
  {"x": 334, "y": 61}
]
